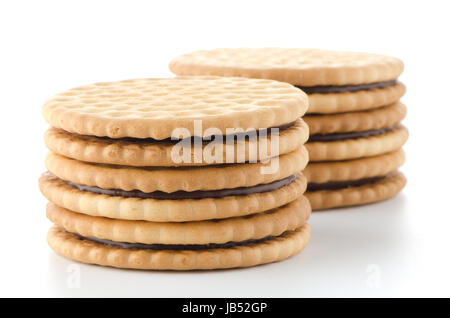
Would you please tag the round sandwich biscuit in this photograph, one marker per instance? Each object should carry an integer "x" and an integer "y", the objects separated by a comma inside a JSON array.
[
  {"x": 256, "y": 226},
  {"x": 335, "y": 81},
  {"x": 373, "y": 119},
  {"x": 252, "y": 253},
  {"x": 363, "y": 168},
  {"x": 345, "y": 146},
  {"x": 301, "y": 67},
  {"x": 364, "y": 99},
  {"x": 136, "y": 152},
  {"x": 362, "y": 191},
  {"x": 170, "y": 180},
  {"x": 179, "y": 206},
  {"x": 163, "y": 108}
]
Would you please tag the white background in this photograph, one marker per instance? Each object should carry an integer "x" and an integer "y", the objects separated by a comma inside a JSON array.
[{"x": 396, "y": 248}]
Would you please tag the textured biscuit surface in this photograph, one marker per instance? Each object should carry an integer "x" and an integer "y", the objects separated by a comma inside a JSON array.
[
  {"x": 66, "y": 196},
  {"x": 237, "y": 229},
  {"x": 174, "y": 179},
  {"x": 304, "y": 67},
  {"x": 383, "y": 189},
  {"x": 381, "y": 165},
  {"x": 154, "y": 108},
  {"x": 273, "y": 250},
  {"x": 355, "y": 101},
  {"x": 357, "y": 121},
  {"x": 129, "y": 153},
  {"x": 358, "y": 148}
]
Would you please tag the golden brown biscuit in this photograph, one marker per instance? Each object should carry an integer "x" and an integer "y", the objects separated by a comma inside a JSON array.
[
  {"x": 272, "y": 250},
  {"x": 381, "y": 165},
  {"x": 356, "y": 121},
  {"x": 305, "y": 67},
  {"x": 359, "y": 147},
  {"x": 256, "y": 226},
  {"x": 174, "y": 179},
  {"x": 382, "y": 189},
  {"x": 148, "y": 153},
  {"x": 355, "y": 101},
  {"x": 154, "y": 108},
  {"x": 117, "y": 207}
]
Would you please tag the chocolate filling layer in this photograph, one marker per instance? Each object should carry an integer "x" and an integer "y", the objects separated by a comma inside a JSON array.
[
  {"x": 181, "y": 195},
  {"x": 349, "y": 135},
  {"x": 345, "y": 88},
  {"x": 336, "y": 185},
  {"x": 173, "y": 247},
  {"x": 195, "y": 138}
]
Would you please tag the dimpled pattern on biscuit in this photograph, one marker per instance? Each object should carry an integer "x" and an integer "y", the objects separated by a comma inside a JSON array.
[
  {"x": 153, "y": 108},
  {"x": 305, "y": 67}
]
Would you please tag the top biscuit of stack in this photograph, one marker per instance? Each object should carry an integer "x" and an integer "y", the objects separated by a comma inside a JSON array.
[
  {"x": 151, "y": 109},
  {"x": 306, "y": 68}
]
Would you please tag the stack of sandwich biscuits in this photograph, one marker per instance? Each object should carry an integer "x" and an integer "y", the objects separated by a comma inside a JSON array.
[
  {"x": 177, "y": 174},
  {"x": 354, "y": 115}
]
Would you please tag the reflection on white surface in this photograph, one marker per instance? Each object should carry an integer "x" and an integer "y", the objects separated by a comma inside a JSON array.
[{"x": 353, "y": 252}]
